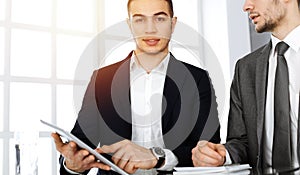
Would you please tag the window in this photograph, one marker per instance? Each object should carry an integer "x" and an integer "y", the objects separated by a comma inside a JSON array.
[
  {"x": 1, "y": 107},
  {"x": 33, "y": 12},
  {"x": 30, "y": 54},
  {"x": 2, "y": 39},
  {"x": 69, "y": 50},
  {"x": 2, "y": 10},
  {"x": 40, "y": 46}
]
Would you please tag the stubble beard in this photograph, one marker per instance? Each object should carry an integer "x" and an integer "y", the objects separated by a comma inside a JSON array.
[{"x": 271, "y": 21}]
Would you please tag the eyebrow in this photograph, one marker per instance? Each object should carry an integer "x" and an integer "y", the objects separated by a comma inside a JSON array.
[{"x": 156, "y": 14}]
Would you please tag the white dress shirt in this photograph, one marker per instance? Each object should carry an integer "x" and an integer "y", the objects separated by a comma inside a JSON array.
[
  {"x": 146, "y": 91},
  {"x": 292, "y": 56}
]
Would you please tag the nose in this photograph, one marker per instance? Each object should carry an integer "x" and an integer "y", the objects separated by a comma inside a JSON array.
[
  {"x": 150, "y": 26},
  {"x": 248, "y": 6}
]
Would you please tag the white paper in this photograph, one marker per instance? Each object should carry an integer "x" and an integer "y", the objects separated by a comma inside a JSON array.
[{"x": 232, "y": 169}]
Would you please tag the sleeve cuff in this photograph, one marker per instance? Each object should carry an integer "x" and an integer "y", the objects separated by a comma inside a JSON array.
[
  {"x": 170, "y": 162},
  {"x": 67, "y": 169},
  {"x": 228, "y": 159}
]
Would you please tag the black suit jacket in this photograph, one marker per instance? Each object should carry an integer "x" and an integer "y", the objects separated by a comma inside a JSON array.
[
  {"x": 189, "y": 110},
  {"x": 247, "y": 108}
]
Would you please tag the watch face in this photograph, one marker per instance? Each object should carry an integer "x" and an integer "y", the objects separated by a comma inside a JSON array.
[{"x": 159, "y": 151}]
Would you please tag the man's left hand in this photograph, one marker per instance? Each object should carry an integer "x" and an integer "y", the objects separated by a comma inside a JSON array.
[{"x": 129, "y": 156}]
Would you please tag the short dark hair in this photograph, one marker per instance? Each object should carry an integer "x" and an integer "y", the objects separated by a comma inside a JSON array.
[{"x": 170, "y": 3}]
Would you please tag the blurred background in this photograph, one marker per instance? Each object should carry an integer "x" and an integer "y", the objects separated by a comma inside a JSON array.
[{"x": 41, "y": 42}]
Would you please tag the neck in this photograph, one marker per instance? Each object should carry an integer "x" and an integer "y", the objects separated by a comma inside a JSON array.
[
  {"x": 287, "y": 24},
  {"x": 150, "y": 61},
  {"x": 283, "y": 31}
]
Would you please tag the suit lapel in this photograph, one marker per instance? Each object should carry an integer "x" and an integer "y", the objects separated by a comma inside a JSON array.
[
  {"x": 120, "y": 95},
  {"x": 261, "y": 88},
  {"x": 173, "y": 83}
]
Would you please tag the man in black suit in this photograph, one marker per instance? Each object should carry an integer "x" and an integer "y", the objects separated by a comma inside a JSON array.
[
  {"x": 255, "y": 133},
  {"x": 149, "y": 110}
]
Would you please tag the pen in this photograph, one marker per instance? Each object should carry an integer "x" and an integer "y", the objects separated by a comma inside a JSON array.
[{"x": 18, "y": 167}]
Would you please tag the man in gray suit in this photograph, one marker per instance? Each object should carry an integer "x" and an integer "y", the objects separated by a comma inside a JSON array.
[{"x": 252, "y": 125}]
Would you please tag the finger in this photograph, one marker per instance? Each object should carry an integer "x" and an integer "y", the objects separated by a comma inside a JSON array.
[
  {"x": 221, "y": 150},
  {"x": 121, "y": 158},
  {"x": 200, "y": 159},
  {"x": 88, "y": 160},
  {"x": 72, "y": 149},
  {"x": 100, "y": 150},
  {"x": 100, "y": 165},
  {"x": 111, "y": 148},
  {"x": 130, "y": 167},
  {"x": 202, "y": 156},
  {"x": 210, "y": 150},
  {"x": 58, "y": 142},
  {"x": 82, "y": 154},
  {"x": 204, "y": 161}
]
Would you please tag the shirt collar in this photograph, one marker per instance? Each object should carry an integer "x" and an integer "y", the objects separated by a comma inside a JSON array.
[
  {"x": 162, "y": 67},
  {"x": 292, "y": 39}
]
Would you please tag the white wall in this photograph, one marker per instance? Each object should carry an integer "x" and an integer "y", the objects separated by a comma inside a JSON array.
[{"x": 225, "y": 27}]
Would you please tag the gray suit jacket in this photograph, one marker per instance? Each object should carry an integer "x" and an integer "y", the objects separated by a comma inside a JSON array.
[{"x": 247, "y": 108}]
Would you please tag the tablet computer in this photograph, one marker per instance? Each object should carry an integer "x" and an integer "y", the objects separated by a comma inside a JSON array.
[{"x": 70, "y": 137}]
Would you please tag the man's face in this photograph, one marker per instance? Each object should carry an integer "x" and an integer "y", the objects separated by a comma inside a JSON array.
[
  {"x": 267, "y": 15},
  {"x": 151, "y": 25}
]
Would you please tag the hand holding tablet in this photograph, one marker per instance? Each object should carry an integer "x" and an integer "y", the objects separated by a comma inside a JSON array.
[{"x": 104, "y": 158}]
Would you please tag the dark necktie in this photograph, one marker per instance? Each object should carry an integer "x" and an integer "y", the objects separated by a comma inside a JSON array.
[{"x": 282, "y": 157}]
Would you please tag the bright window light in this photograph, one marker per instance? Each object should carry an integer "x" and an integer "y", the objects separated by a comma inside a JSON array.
[
  {"x": 119, "y": 53},
  {"x": 187, "y": 56},
  {"x": 1, "y": 50},
  {"x": 1, "y": 107},
  {"x": 66, "y": 114},
  {"x": 1, "y": 154},
  {"x": 187, "y": 12},
  {"x": 2, "y": 9},
  {"x": 30, "y": 53},
  {"x": 34, "y": 12},
  {"x": 111, "y": 17},
  {"x": 69, "y": 50},
  {"x": 29, "y": 102},
  {"x": 76, "y": 15},
  {"x": 44, "y": 157}
]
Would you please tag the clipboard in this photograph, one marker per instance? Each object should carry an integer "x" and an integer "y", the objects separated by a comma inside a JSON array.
[{"x": 70, "y": 137}]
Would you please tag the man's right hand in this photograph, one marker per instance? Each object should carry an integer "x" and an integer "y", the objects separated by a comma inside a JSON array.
[
  {"x": 208, "y": 154},
  {"x": 76, "y": 159}
]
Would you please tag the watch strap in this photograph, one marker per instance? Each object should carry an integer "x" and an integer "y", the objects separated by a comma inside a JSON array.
[{"x": 160, "y": 162}]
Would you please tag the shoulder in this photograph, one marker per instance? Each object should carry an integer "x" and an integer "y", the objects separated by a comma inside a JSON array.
[
  {"x": 252, "y": 57},
  {"x": 195, "y": 71},
  {"x": 113, "y": 68}
]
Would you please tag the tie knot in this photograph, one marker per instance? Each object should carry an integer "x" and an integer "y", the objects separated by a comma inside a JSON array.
[{"x": 281, "y": 48}]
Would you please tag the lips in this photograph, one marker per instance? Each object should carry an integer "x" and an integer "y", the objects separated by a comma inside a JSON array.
[
  {"x": 151, "y": 41},
  {"x": 254, "y": 17}
]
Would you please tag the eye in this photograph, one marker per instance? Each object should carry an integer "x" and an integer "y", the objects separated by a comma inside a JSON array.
[
  {"x": 161, "y": 19},
  {"x": 138, "y": 20}
]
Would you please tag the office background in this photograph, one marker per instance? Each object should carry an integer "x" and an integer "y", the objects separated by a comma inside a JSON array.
[{"x": 41, "y": 43}]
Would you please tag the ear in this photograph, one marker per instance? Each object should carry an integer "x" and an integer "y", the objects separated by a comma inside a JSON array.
[{"x": 174, "y": 21}]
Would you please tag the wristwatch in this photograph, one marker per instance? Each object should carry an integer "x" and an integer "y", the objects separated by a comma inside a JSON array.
[{"x": 160, "y": 155}]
